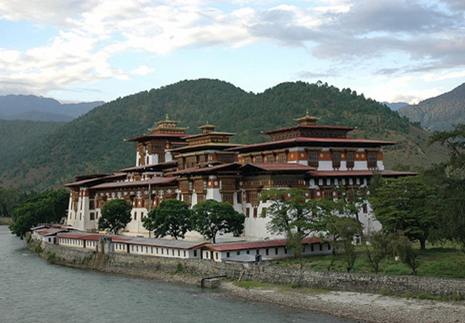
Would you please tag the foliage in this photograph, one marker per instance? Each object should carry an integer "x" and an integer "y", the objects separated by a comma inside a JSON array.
[
  {"x": 403, "y": 249},
  {"x": 450, "y": 177},
  {"x": 116, "y": 214},
  {"x": 172, "y": 218},
  {"x": 350, "y": 200},
  {"x": 296, "y": 216},
  {"x": 93, "y": 143},
  {"x": 436, "y": 261},
  {"x": 9, "y": 198},
  {"x": 407, "y": 204},
  {"x": 377, "y": 250},
  {"x": 45, "y": 207},
  {"x": 211, "y": 217},
  {"x": 342, "y": 230},
  {"x": 19, "y": 137}
]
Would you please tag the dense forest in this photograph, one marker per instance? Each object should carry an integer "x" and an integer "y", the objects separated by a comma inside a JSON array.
[
  {"x": 20, "y": 137},
  {"x": 439, "y": 113},
  {"x": 95, "y": 142}
]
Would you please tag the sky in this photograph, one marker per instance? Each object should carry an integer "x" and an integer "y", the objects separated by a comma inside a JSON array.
[{"x": 88, "y": 50}]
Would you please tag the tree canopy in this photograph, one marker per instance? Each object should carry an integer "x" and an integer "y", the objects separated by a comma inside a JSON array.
[
  {"x": 407, "y": 204},
  {"x": 211, "y": 217},
  {"x": 116, "y": 214},
  {"x": 172, "y": 218},
  {"x": 45, "y": 207}
]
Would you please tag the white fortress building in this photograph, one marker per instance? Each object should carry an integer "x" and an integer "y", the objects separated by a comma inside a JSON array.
[{"x": 193, "y": 168}]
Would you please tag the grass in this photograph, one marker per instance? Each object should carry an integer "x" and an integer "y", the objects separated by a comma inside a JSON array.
[
  {"x": 436, "y": 261},
  {"x": 5, "y": 220}
]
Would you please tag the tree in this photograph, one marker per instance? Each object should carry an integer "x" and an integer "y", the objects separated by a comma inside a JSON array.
[
  {"x": 407, "y": 204},
  {"x": 450, "y": 178},
  {"x": 402, "y": 248},
  {"x": 45, "y": 207},
  {"x": 116, "y": 214},
  {"x": 211, "y": 217},
  {"x": 297, "y": 216},
  {"x": 343, "y": 229},
  {"x": 349, "y": 200},
  {"x": 172, "y": 218},
  {"x": 378, "y": 248}
]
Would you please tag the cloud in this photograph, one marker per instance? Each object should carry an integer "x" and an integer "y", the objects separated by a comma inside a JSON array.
[{"x": 143, "y": 70}]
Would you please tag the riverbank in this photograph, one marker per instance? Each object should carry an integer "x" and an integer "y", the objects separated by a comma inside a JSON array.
[{"x": 363, "y": 307}]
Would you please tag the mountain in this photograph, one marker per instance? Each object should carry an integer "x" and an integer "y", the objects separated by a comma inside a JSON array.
[
  {"x": 19, "y": 137},
  {"x": 94, "y": 142},
  {"x": 438, "y": 113},
  {"x": 395, "y": 105},
  {"x": 30, "y": 107}
]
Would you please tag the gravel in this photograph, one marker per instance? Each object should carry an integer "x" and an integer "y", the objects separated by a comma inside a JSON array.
[{"x": 360, "y": 307}]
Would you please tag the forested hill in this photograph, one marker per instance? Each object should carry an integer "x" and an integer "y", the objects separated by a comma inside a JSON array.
[
  {"x": 94, "y": 142},
  {"x": 438, "y": 113},
  {"x": 19, "y": 137}
]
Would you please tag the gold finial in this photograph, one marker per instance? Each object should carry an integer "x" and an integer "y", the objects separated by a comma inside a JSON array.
[
  {"x": 167, "y": 118},
  {"x": 307, "y": 113}
]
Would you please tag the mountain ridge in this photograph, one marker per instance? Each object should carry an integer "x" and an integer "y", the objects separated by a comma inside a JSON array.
[
  {"x": 93, "y": 143},
  {"x": 438, "y": 113},
  {"x": 31, "y": 107}
]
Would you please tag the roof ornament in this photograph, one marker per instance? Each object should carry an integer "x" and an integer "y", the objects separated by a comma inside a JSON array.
[{"x": 307, "y": 120}]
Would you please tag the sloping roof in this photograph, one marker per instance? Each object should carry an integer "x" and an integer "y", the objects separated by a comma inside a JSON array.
[
  {"x": 163, "y": 243},
  {"x": 308, "y": 127},
  {"x": 255, "y": 244},
  {"x": 100, "y": 178},
  {"x": 196, "y": 170},
  {"x": 153, "y": 181},
  {"x": 316, "y": 142},
  {"x": 50, "y": 231},
  {"x": 279, "y": 166},
  {"x": 159, "y": 166},
  {"x": 158, "y": 135},
  {"x": 348, "y": 173}
]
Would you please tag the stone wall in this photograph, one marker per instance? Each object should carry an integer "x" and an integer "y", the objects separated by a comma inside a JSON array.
[{"x": 148, "y": 266}]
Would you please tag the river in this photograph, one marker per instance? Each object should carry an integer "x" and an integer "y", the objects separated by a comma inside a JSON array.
[{"x": 32, "y": 290}]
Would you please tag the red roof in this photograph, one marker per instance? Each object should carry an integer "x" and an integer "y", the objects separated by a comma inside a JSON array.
[
  {"x": 308, "y": 127},
  {"x": 348, "y": 173},
  {"x": 158, "y": 135},
  {"x": 307, "y": 141},
  {"x": 50, "y": 231},
  {"x": 91, "y": 237},
  {"x": 146, "y": 167},
  {"x": 153, "y": 181},
  {"x": 281, "y": 166},
  {"x": 89, "y": 181},
  {"x": 205, "y": 169},
  {"x": 256, "y": 244}
]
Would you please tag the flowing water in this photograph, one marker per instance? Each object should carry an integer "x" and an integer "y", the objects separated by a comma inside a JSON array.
[{"x": 32, "y": 290}]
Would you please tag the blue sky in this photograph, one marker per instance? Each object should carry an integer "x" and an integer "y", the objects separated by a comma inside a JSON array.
[{"x": 86, "y": 50}]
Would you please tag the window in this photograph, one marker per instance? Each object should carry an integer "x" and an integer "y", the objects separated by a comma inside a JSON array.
[
  {"x": 184, "y": 253},
  {"x": 216, "y": 255},
  {"x": 238, "y": 253},
  {"x": 248, "y": 252},
  {"x": 135, "y": 215},
  {"x": 228, "y": 254},
  {"x": 195, "y": 253},
  {"x": 365, "y": 208},
  {"x": 267, "y": 252},
  {"x": 350, "y": 160},
  {"x": 313, "y": 158},
  {"x": 372, "y": 159},
  {"x": 275, "y": 251},
  {"x": 255, "y": 212},
  {"x": 247, "y": 212},
  {"x": 321, "y": 247},
  {"x": 336, "y": 159}
]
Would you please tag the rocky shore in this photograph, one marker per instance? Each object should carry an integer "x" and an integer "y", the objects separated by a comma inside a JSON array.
[{"x": 360, "y": 307}]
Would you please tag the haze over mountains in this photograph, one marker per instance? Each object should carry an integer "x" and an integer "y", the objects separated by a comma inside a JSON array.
[
  {"x": 31, "y": 107},
  {"x": 94, "y": 142},
  {"x": 438, "y": 113}
]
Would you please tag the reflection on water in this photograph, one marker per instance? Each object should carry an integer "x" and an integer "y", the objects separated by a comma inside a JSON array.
[{"x": 32, "y": 290}]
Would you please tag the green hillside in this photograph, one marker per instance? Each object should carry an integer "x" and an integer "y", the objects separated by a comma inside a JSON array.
[
  {"x": 94, "y": 142},
  {"x": 19, "y": 137},
  {"x": 438, "y": 113}
]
